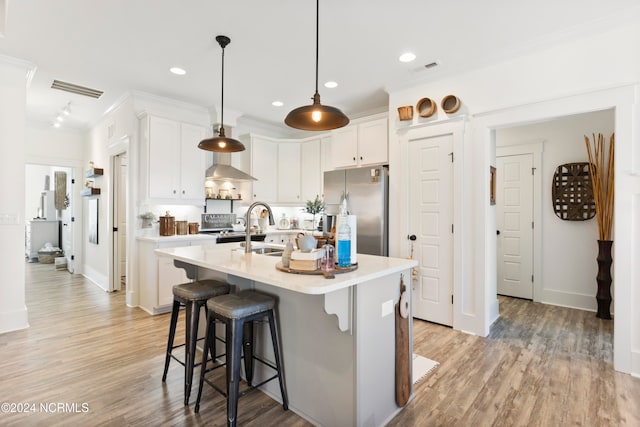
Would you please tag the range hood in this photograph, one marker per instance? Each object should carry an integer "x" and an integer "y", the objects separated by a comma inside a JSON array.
[{"x": 221, "y": 170}]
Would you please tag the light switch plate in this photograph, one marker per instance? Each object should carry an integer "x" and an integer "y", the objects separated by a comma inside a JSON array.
[{"x": 387, "y": 308}]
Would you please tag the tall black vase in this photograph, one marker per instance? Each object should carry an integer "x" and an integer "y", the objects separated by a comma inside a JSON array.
[{"x": 603, "y": 297}]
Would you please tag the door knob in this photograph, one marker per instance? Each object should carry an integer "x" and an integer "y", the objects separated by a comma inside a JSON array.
[
  {"x": 412, "y": 237},
  {"x": 498, "y": 232}
]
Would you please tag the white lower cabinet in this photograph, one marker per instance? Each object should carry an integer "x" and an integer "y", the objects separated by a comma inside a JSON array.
[{"x": 158, "y": 275}]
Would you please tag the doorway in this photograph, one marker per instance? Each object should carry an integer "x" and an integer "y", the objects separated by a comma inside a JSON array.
[
  {"x": 119, "y": 176},
  {"x": 51, "y": 211}
]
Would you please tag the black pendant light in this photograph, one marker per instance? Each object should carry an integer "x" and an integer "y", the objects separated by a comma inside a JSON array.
[
  {"x": 220, "y": 143},
  {"x": 316, "y": 116}
]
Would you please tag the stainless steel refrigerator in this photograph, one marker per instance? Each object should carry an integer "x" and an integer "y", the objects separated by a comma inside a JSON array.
[{"x": 367, "y": 192}]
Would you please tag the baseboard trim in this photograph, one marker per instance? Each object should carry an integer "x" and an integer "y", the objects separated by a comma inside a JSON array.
[
  {"x": 100, "y": 280},
  {"x": 14, "y": 320},
  {"x": 570, "y": 299},
  {"x": 635, "y": 364}
]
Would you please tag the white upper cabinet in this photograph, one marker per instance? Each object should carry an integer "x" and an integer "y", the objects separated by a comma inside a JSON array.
[
  {"x": 192, "y": 161},
  {"x": 163, "y": 137},
  {"x": 289, "y": 172},
  {"x": 264, "y": 161},
  {"x": 174, "y": 166},
  {"x": 360, "y": 144},
  {"x": 310, "y": 170}
]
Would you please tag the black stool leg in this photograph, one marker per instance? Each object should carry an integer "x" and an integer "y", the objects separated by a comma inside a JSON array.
[
  {"x": 276, "y": 353},
  {"x": 247, "y": 346},
  {"x": 211, "y": 334},
  {"x": 203, "y": 366},
  {"x": 172, "y": 333},
  {"x": 192, "y": 313},
  {"x": 233, "y": 369}
]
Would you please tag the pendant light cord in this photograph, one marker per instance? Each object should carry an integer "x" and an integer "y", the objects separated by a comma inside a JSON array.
[
  {"x": 317, "y": 38},
  {"x": 221, "y": 131}
]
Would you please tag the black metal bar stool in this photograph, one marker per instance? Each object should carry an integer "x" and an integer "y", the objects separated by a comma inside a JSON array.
[
  {"x": 193, "y": 296},
  {"x": 238, "y": 312}
]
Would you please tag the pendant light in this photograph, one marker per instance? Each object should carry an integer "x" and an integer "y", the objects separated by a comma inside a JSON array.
[
  {"x": 316, "y": 116},
  {"x": 220, "y": 143}
]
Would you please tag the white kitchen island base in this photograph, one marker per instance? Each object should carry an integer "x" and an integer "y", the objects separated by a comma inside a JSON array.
[{"x": 333, "y": 377}]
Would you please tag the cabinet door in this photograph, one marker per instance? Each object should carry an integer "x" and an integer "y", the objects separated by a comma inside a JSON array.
[
  {"x": 344, "y": 147},
  {"x": 310, "y": 170},
  {"x": 192, "y": 161},
  {"x": 168, "y": 277},
  {"x": 164, "y": 166},
  {"x": 325, "y": 148},
  {"x": 288, "y": 172},
  {"x": 264, "y": 160},
  {"x": 168, "y": 274},
  {"x": 372, "y": 142}
]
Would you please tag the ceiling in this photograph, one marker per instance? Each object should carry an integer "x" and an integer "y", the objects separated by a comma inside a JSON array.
[{"x": 129, "y": 45}]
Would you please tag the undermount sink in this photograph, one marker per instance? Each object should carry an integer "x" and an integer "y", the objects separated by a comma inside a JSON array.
[
  {"x": 265, "y": 249},
  {"x": 268, "y": 251}
]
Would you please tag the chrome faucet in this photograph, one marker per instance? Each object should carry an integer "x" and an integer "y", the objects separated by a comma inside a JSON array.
[{"x": 247, "y": 240}]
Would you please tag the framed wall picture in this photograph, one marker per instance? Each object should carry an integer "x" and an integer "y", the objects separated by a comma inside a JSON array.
[
  {"x": 492, "y": 188},
  {"x": 93, "y": 220}
]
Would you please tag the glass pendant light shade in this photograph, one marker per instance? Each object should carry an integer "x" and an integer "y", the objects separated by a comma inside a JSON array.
[
  {"x": 220, "y": 143},
  {"x": 316, "y": 116}
]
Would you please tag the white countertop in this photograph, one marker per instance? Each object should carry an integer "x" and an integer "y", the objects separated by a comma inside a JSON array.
[
  {"x": 296, "y": 231},
  {"x": 229, "y": 258},
  {"x": 176, "y": 238}
]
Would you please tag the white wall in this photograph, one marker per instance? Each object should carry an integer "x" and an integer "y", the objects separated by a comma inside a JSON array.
[
  {"x": 14, "y": 79},
  {"x": 569, "y": 248},
  {"x": 591, "y": 73},
  {"x": 51, "y": 146},
  {"x": 119, "y": 123},
  {"x": 34, "y": 185}
]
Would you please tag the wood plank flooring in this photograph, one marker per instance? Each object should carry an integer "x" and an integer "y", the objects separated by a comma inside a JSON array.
[{"x": 541, "y": 365}]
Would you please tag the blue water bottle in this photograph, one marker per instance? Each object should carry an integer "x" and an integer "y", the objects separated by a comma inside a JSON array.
[{"x": 343, "y": 239}]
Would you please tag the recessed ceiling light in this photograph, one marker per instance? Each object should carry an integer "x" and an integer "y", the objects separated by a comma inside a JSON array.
[
  {"x": 60, "y": 118},
  {"x": 331, "y": 85},
  {"x": 407, "y": 57},
  {"x": 277, "y": 103},
  {"x": 56, "y": 124},
  {"x": 178, "y": 71}
]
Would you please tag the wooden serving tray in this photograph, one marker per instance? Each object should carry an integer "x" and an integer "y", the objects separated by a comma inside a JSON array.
[{"x": 326, "y": 274}]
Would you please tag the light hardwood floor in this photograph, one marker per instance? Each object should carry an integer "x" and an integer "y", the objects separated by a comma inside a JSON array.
[{"x": 541, "y": 365}]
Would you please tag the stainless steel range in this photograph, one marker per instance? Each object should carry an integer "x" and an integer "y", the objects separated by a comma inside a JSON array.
[{"x": 222, "y": 225}]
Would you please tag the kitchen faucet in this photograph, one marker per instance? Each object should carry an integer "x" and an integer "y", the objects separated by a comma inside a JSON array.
[{"x": 247, "y": 240}]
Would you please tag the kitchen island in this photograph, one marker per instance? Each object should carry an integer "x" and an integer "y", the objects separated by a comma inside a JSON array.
[{"x": 337, "y": 335}]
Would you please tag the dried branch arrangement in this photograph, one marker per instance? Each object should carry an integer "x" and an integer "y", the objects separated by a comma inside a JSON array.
[{"x": 601, "y": 172}]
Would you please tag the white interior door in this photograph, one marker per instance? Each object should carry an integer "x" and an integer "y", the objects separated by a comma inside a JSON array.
[
  {"x": 118, "y": 263},
  {"x": 122, "y": 217},
  {"x": 66, "y": 216},
  {"x": 430, "y": 220},
  {"x": 514, "y": 219}
]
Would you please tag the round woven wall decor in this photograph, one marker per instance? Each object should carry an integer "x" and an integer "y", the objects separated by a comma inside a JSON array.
[
  {"x": 572, "y": 192},
  {"x": 426, "y": 107}
]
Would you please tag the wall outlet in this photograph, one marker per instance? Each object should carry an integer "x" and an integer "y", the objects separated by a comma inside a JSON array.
[{"x": 9, "y": 218}]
